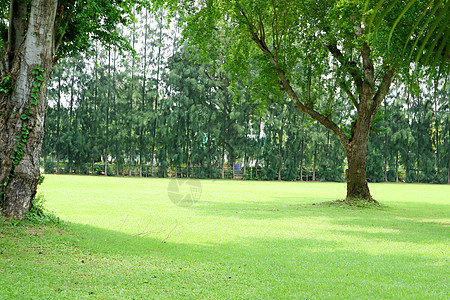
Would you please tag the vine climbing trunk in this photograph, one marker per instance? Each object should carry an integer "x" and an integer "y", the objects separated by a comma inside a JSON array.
[{"x": 29, "y": 60}]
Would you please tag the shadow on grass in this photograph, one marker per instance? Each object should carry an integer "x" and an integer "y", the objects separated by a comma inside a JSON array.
[
  {"x": 428, "y": 222},
  {"x": 264, "y": 267},
  {"x": 427, "y": 225},
  {"x": 256, "y": 210},
  {"x": 376, "y": 226}
]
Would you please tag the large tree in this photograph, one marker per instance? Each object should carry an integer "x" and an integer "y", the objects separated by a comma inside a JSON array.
[
  {"x": 354, "y": 43},
  {"x": 33, "y": 35}
]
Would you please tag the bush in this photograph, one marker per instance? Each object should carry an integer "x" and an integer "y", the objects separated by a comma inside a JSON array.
[{"x": 38, "y": 214}]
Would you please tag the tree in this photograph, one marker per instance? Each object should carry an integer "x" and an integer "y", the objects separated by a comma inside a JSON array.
[
  {"x": 33, "y": 35},
  {"x": 323, "y": 38}
]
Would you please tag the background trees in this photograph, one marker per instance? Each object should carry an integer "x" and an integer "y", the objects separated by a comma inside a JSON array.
[{"x": 184, "y": 116}]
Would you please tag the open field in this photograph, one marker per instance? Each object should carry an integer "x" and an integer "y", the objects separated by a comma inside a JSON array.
[{"x": 124, "y": 238}]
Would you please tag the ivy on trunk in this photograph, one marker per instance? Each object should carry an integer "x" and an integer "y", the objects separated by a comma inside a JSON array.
[{"x": 34, "y": 34}]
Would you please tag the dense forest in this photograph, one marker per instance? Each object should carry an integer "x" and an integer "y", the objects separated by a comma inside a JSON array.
[{"x": 165, "y": 111}]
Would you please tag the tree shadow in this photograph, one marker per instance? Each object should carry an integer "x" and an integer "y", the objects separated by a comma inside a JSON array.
[
  {"x": 348, "y": 262},
  {"x": 354, "y": 270}
]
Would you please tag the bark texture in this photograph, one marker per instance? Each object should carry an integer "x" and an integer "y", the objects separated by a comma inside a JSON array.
[
  {"x": 33, "y": 46},
  {"x": 356, "y": 152}
]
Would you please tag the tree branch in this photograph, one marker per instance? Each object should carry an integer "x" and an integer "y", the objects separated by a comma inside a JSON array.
[
  {"x": 383, "y": 89},
  {"x": 351, "y": 65},
  {"x": 324, "y": 120},
  {"x": 3, "y": 63},
  {"x": 349, "y": 93},
  {"x": 368, "y": 68},
  {"x": 61, "y": 25},
  {"x": 276, "y": 41},
  {"x": 17, "y": 26}
]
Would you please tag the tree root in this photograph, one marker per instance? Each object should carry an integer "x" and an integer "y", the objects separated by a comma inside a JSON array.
[{"x": 361, "y": 203}]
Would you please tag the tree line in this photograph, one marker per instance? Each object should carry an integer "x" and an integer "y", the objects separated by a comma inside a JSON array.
[{"x": 167, "y": 112}]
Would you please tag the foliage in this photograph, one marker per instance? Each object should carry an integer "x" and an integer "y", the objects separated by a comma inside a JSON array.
[
  {"x": 38, "y": 214},
  {"x": 80, "y": 22},
  {"x": 429, "y": 32},
  {"x": 6, "y": 84}
]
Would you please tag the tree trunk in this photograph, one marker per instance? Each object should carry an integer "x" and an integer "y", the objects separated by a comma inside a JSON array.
[
  {"x": 314, "y": 164},
  {"x": 281, "y": 167},
  {"x": 356, "y": 151},
  {"x": 357, "y": 187},
  {"x": 245, "y": 164},
  {"x": 385, "y": 171},
  {"x": 396, "y": 168},
  {"x": 302, "y": 154},
  {"x": 301, "y": 169},
  {"x": 223, "y": 162},
  {"x": 58, "y": 167},
  {"x": 106, "y": 164},
  {"x": 233, "y": 166},
  {"x": 130, "y": 162},
  {"x": 34, "y": 49},
  {"x": 153, "y": 163}
]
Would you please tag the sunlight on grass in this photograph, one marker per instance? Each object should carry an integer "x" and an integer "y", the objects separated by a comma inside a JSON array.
[{"x": 240, "y": 239}]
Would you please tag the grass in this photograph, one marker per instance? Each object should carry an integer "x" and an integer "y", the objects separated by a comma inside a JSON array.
[{"x": 123, "y": 238}]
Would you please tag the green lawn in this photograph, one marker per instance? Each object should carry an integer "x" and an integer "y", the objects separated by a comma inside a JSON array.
[{"x": 124, "y": 238}]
